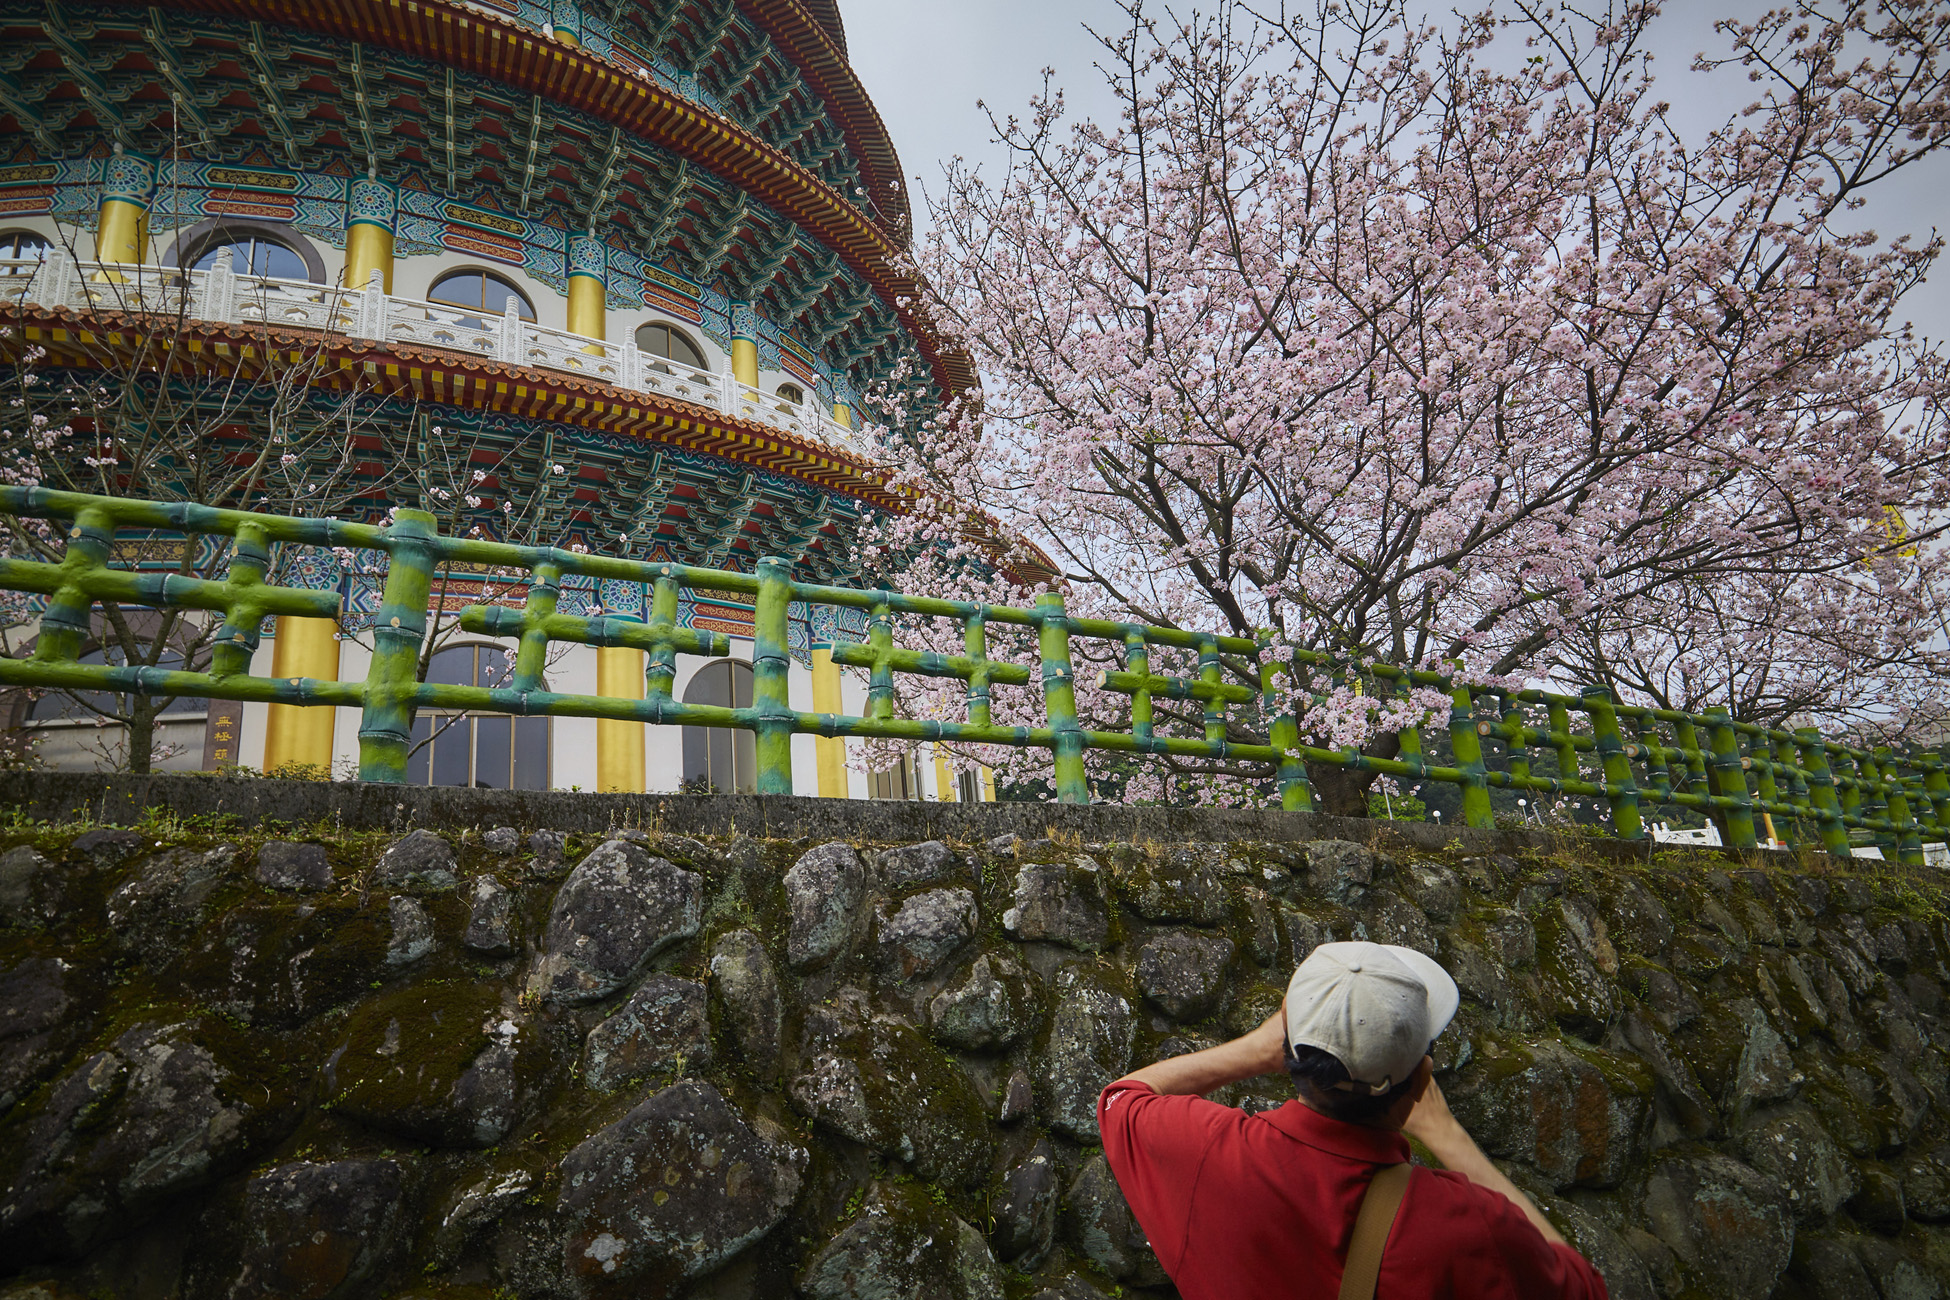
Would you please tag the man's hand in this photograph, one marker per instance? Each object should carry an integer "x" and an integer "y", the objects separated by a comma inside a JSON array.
[
  {"x": 1432, "y": 1124},
  {"x": 1263, "y": 1051}
]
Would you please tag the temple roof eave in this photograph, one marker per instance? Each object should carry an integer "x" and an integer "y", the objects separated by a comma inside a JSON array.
[{"x": 816, "y": 45}]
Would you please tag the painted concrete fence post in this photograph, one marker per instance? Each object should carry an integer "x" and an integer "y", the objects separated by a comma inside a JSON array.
[
  {"x": 771, "y": 661},
  {"x": 1060, "y": 698},
  {"x": 1622, "y": 790},
  {"x": 392, "y": 680},
  {"x": 1730, "y": 781}
]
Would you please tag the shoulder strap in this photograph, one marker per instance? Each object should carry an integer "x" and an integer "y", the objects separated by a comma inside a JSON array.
[{"x": 1377, "y": 1215}]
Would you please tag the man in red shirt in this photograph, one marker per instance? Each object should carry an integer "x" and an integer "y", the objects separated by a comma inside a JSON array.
[{"x": 1243, "y": 1206}]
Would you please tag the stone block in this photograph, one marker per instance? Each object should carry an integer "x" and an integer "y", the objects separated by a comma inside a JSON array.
[
  {"x": 662, "y": 1027},
  {"x": 1058, "y": 903},
  {"x": 675, "y": 1189},
  {"x": 421, "y": 862},
  {"x": 825, "y": 891},
  {"x": 619, "y": 908},
  {"x": 300, "y": 868}
]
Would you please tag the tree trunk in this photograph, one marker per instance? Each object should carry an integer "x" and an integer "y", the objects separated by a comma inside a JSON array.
[
  {"x": 141, "y": 744},
  {"x": 1343, "y": 791}
]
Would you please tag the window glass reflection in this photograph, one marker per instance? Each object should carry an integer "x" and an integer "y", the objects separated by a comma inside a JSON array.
[
  {"x": 481, "y": 292},
  {"x": 720, "y": 760},
  {"x": 254, "y": 256},
  {"x": 660, "y": 340},
  {"x": 487, "y": 751}
]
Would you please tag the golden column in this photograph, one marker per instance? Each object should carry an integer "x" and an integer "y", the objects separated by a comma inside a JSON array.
[
  {"x": 565, "y": 24},
  {"x": 308, "y": 647},
  {"x": 619, "y": 675},
  {"x": 944, "y": 781},
  {"x": 588, "y": 288},
  {"x": 295, "y": 735},
  {"x": 122, "y": 223},
  {"x": 829, "y": 751},
  {"x": 744, "y": 343},
  {"x": 619, "y": 669},
  {"x": 371, "y": 212},
  {"x": 619, "y": 744},
  {"x": 843, "y": 415}
]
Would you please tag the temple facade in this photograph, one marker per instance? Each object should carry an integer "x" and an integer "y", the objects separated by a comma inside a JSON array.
[{"x": 641, "y": 259}]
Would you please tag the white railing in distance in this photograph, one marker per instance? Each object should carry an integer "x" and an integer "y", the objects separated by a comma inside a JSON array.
[{"x": 223, "y": 294}]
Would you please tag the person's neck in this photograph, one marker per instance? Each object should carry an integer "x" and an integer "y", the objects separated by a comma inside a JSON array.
[{"x": 1386, "y": 1122}]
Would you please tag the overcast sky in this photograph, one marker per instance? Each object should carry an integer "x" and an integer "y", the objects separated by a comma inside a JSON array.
[{"x": 927, "y": 62}]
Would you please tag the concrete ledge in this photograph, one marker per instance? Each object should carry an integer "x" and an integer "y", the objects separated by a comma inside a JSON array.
[{"x": 122, "y": 800}]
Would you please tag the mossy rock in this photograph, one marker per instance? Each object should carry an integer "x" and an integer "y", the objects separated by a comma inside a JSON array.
[
  {"x": 279, "y": 964},
  {"x": 161, "y": 1108},
  {"x": 878, "y": 1082},
  {"x": 426, "y": 1063},
  {"x": 903, "y": 1246},
  {"x": 1574, "y": 1113}
]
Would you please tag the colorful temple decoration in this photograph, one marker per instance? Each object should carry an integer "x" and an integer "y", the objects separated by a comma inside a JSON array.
[{"x": 683, "y": 226}]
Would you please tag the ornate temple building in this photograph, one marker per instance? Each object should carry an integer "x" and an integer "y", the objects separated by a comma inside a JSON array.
[{"x": 645, "y": 254}]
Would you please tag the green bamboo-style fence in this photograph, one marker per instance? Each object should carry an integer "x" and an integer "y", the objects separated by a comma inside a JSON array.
[{"x": 1624, "y": 755}]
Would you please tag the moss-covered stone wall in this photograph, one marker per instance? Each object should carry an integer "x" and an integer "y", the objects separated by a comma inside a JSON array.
[{"x": 521, "y": 1063}]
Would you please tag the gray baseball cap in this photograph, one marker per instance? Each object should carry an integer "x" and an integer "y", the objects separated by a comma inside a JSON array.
[{"x": 1375, "y": 1007}]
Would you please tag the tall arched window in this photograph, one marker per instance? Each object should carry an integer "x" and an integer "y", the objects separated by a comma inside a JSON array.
[
  {"x": 24, "y": 246},
  {"x": 793, "y": 393},
  {"x": 720, "y": 760},
  {"x": 480, "y": 291},
  {"x": 660, "y": 340},
  {"x": 256, "y": 255},
  {"x": 487, "y": 751}
]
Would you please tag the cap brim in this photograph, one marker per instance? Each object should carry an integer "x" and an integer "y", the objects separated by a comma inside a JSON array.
[{"x": 1444, "y": 997}]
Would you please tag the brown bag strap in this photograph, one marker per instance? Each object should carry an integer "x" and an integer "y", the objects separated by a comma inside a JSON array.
[{"x": 1378, "y": 1208}]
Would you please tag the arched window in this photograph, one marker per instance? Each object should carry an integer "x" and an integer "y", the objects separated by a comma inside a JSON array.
[
  {"x": 24, "y": 246},
  {"x": 793, "y": 393},
  {"x": 255, "y": 255},
  {"x": 660, "y": 340},
  {"x": 720, "y": 760},
  {"x": 479, "y": 291},
  {"x": 485, "y": 750},
  {"x": 255, "y": 248}
]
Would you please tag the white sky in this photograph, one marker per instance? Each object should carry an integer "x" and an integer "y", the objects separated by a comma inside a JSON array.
[{"x": 927, "y": 62}]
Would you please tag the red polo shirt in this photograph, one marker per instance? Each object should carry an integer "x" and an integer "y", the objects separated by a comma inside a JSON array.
[{"x": 1241, "y": 1206}]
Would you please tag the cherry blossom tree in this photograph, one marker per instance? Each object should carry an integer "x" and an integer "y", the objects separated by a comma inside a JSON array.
[{"x": 1434, "y": 346}]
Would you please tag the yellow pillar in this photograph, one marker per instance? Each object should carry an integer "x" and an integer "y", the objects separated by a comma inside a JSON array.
[
  {"x": 988, "y": 785},
  {"x": 944, "y": 781},
  {"x": 619, "y": 744},
  {"x": 588, "y": 288},
  {"x": 295, "y": 735},
  {"x": 744, "y": 343},
  {"x": 371, "y": 212},
  {"x": 122, "y": 222},
  {"x": 830, "y": 751},
  {"x": 843, "y": 414},
  {"x": 565, "y": 24}
]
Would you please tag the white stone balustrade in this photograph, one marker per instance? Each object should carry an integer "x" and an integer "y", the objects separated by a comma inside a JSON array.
[{"x": 221, "y": 294}]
